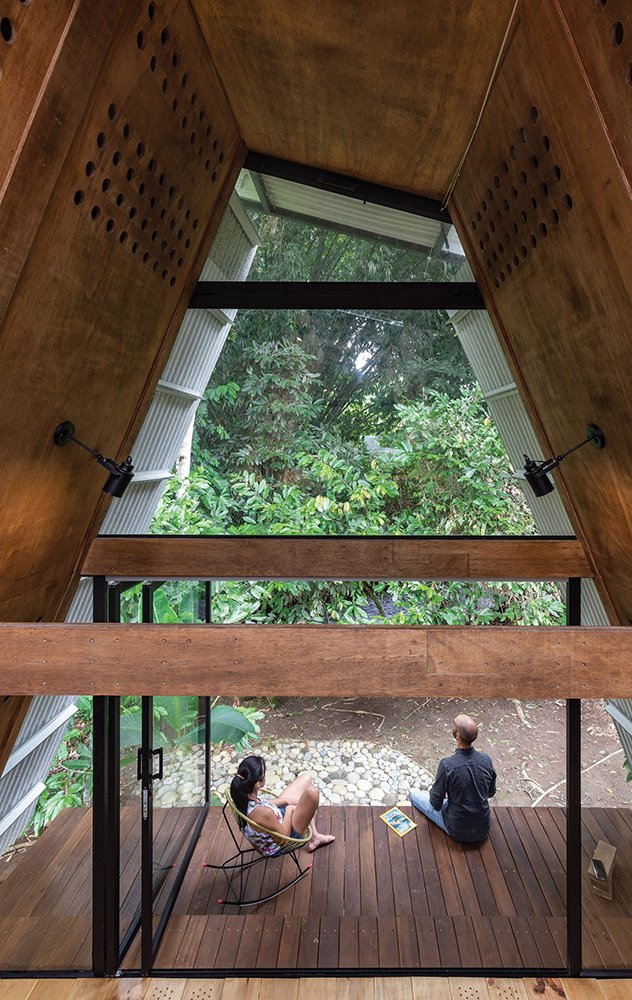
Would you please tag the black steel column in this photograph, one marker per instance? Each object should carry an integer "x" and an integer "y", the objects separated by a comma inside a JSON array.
[
  {"x": 207, "y": 707},
  {"x": 573, "y": 804},
  {"x": 147, "y": 826},
  {"x": 105, "y": 817}
]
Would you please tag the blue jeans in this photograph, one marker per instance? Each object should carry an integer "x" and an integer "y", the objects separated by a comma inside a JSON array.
[{"x": 421, "y": 801}]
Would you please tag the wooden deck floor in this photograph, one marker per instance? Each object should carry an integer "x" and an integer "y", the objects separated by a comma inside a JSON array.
[
  {"x": 46, "y": 901},
  {"x": 372, "y": 900},
  {"x": 340, "y": 988}
]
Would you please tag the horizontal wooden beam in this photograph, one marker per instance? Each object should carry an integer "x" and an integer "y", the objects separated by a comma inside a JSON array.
[
  {"x": 328, "y": 558},
  {"x": 336, "y": 295},
  {"x": 315, "y": 660}
]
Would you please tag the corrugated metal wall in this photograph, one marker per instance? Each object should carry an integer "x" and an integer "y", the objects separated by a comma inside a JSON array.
[
  {"x": 484, "y": 352},
  {"x": 186, "y": 375}
]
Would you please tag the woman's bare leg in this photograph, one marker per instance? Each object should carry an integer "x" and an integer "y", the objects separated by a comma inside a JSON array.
[
  {"x": 304, "y": 815},
  {"x": 290, "y": 795}
]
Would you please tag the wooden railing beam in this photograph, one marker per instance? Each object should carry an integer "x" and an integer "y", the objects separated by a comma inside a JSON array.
[
  {"x": 314, "y": 660},
  {"x": 328, "y": 558}
]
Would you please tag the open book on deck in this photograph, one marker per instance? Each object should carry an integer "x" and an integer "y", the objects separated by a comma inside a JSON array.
[{"x": 398, "y": 821}]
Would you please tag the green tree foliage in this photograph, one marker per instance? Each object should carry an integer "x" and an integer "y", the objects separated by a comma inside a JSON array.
[
  {"x": 440, "y": 470},
  {"x": 367, "y": 362}
]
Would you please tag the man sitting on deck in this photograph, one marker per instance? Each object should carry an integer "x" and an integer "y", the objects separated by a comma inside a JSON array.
[{"x": 457, "y": 801}]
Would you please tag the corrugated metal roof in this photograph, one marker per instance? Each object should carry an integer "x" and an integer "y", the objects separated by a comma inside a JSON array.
[{"x": 288, "y": 197}]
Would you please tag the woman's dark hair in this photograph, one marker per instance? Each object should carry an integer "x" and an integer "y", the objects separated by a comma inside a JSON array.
[{"x": 251, "y": 770}]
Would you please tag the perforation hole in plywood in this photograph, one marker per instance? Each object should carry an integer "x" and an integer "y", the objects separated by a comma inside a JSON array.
[
  {"x": 8, "y": 30},
  {"x": 531, "y": 193}
]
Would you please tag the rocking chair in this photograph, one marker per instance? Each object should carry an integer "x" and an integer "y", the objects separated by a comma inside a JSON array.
[{"x": 246, "y": 858}]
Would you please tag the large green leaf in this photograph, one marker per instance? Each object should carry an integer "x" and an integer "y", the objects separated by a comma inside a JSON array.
[{"x": 229, "y": 726}]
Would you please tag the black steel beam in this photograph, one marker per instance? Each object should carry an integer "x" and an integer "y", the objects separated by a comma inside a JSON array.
[
  {"x": 351, "y": 187},
  {"x": 336, "y": 295}
]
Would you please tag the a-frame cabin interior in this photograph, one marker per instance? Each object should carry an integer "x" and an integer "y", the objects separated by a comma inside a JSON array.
[{"x": 124, "y": 128}]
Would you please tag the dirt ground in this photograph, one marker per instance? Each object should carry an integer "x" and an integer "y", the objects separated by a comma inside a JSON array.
[{"x": 526, "y": 740}]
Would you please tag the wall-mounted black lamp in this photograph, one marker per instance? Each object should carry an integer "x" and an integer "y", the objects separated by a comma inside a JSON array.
[
  {"x": 120, "y": 475},
  {"x": 536, "y": 473}
]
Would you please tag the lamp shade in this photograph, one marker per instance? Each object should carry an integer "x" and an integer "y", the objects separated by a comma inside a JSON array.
[{"x": 537, "y": 479}]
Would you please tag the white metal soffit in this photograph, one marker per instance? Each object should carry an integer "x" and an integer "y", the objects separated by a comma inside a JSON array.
[{"x": 289, "y": 198}]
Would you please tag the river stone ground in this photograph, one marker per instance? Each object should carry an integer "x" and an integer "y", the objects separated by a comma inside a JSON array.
[{"x": 348, "y": 772}]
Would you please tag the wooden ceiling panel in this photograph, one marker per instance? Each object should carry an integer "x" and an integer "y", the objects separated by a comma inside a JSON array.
[
  {"x": 135, "y": 196},
  {"x": 387, "y": 92},
  {"x": 543, "y": 206}
]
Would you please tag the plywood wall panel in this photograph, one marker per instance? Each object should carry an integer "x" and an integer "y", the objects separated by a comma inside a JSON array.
[
  {"x": 135, "y": 199},
  {"x": 602, "y": 35},
  {"x": 387, "y": 92},
  {"x": 543, "y": 205},
  {"x": 47, "y": 73}
]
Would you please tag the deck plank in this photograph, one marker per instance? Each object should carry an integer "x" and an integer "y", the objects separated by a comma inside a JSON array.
[
  {"x": 383, "y": 870},
  {"x": 336, "y": 859},
  {"x": 368, "y": 882},
  {"x": 467, "y": 941},
  {"x": 288, "y": 945},
  {"x": 250, "y": 941},
  {"x": 349, "y": 943},
  {"x": 520, "y": 902},
  {"x": 449, "y": 881},
  {"x": 486, "y": 940},
  {"x": 320, "y": 867},
  {"x": 537, "y": 899},
  {"x": 399, "y": 871},
  {"x": 368, "y": 956},
  {"x": 351, "y": 872},
  {"x": 407, "y": 943},
  {"x": 388, "y": 948},
  {"x": 269, "y": 944},
  {"x": 329, "y": 942},
  {"x": 427, "y": 943},
  {"x": 309, "y": 942},
  {"x": 448, "y": 945},
  {"x": 432, "y": 878}
]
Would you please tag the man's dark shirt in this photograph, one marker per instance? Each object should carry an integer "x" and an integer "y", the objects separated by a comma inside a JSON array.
[{"x": 468, "y": 779}]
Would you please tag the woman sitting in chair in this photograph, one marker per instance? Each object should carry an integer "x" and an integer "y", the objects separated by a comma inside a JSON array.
[{"x": 290, "y": 814}]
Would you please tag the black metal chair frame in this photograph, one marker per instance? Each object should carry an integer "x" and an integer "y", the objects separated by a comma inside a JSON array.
[{"x": 236, "y": 862}]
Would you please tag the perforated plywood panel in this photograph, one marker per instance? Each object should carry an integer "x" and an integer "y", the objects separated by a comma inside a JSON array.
[
  {"x": 543, "y": 206},
  {"x": 135, "y": 199}
]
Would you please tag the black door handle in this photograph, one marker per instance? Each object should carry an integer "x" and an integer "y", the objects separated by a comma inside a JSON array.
[{"x": 158, "y": 775}]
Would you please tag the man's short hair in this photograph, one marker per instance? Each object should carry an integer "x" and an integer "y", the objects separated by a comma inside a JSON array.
[{"x": 466, "y": 728}]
